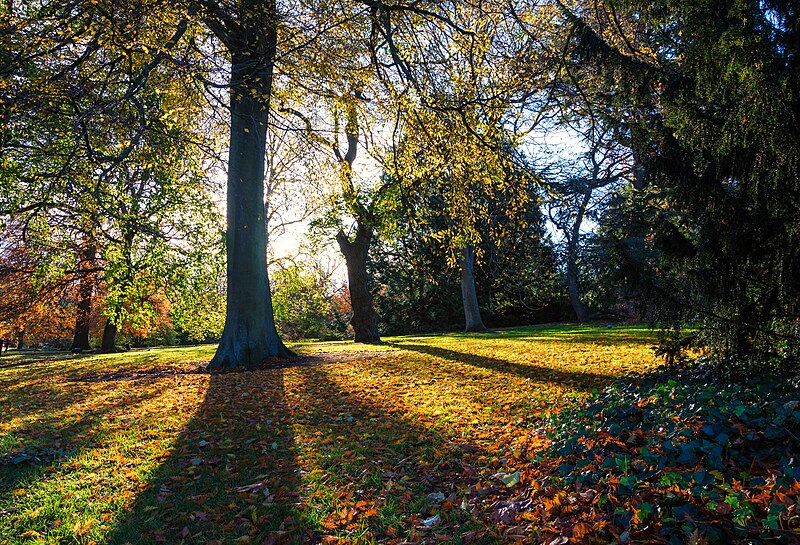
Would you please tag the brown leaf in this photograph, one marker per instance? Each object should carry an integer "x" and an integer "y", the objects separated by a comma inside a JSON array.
[{"x": 581, "y": 530}]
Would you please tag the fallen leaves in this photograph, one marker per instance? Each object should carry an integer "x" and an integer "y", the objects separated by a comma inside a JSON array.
[
  {"x": 666, "y": 459},
  {"x": 399, "y": 448}
]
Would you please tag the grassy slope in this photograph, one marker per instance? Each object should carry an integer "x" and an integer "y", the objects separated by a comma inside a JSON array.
[{"x": 139, "y": 448}]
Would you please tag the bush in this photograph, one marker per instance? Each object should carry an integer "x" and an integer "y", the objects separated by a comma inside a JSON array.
[
  {"x": 307, "y": 305},
  {"x": 675, "y": 458}
]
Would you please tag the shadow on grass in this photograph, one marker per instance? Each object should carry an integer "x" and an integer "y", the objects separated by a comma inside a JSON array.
[
  {"x": 231, "y": 474},
  {"x": 363, "y": 448},
  {"x": 289, "y": 456},
  {"x": 578, "y": 380},
  {"x": 51, "y": 438},
  {"x": 43, "y": 357},
  {"x": 46, "y": 397},
  {"x": 269, "y": 457},
  {"x": 597, "y": 334}
]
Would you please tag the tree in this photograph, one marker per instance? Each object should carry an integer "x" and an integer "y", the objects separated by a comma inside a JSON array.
[
  {"x": 249, "y": 32},
  {"x": 87, "y": 278},
  {"x": 108, "y": 155},
  {"x": 344, "y": 101},
  {"x": 707, "y": 111},
  {"x": 198, "y": 300},
  {"x": 628, "y": 275},
  {"x": 524, "y": 280},
  {"x": 360, "y": 204},
  {"x": 462, "y": 169},
  {"x": 160, "y": 221},
  {"x": 419, "y": 291},
  {"x": 580, "y": 191},
  {"x": 356, "y": 249},
  {"x": 33, "y": 307},
  {"x": 117, "y": 39},
  {"x": 307, "y": 303},
  {"x": 453, "y": 88}
]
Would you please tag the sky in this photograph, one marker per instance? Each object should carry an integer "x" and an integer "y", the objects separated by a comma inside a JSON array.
[{"x": 290, "y": 242}]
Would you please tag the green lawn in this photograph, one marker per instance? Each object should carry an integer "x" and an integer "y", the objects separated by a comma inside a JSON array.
[{"x": 401, "y": 442}]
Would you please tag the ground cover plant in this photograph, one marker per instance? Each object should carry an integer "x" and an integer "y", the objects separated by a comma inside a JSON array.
[{"x": 667, "y": 457}]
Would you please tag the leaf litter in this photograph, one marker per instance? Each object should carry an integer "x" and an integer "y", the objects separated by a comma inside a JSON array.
[{"x": 429, "y": 439}]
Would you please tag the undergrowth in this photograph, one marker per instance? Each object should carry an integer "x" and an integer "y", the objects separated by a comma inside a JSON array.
[{"x": 667, "y": 457}]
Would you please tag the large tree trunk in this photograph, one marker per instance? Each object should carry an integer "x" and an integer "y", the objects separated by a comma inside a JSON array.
[
  {"x": 80, "y": 338},
  {"x": 472, "y": 311},
  {"x": 249, "y": 336},
  {"x": 364, "y": 320},
  {"x": 573, "y": 288},
  {"x": 109, "y": 337},
  {"x": 21, "y": 340}
]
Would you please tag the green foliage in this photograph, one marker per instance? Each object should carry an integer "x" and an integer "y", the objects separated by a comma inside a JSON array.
[
  {"x": 198, "y": 299},
  {"x": 626, "y": 273},
  {"x": 102, "y": 149},
  {"x": 523, "y": 282},
  {"x": 680, "y": 454},
  {"x": 307, "y": 305},
  {"x": 705, "y": 94},
  {"x": 416, "y": 290}
]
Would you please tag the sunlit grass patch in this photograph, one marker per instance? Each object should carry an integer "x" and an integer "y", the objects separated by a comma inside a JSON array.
[{"x": 397, "y": 445}]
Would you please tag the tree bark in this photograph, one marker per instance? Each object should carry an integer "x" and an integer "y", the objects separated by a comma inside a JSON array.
[
  {"x": 472, "y": 312},
  {"x": 573, "y": 287},
  {"x": 249, "y": 336},
  {"x": 21, "y": 340},
  {"x": 109, "y": 338},
  {"x": 364, "y": 320},
  {"x": 80, "y": 338}
]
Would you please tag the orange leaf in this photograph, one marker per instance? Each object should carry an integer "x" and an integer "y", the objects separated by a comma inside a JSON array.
[{"x": 580, "y": 530}]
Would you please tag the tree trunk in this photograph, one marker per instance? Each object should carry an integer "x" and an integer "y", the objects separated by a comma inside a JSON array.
[
  {"x": 472, "y": 311},
  {"x": 80, "y": 338},
  {"x": 364, "y": 320},
  {"x": 249, "y": 336},
  {"x": 572, "y": 283},
  {"x": 572, "y": 260},
  {"x": 109, "y": 337},
  {"x": 21, "y": 340}
]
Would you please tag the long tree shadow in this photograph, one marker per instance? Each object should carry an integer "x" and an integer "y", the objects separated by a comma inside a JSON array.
[
  {"x": 579, "y": 380},
  {"x": 231, "y": 475},
  {"x": 59, "y": 404},
  {"x": 34, "y": 358},
  {"x": 590, "y": 334},
  {"x": 376, "y": 469},
  {"x": 234, "y": 475},
  {"x": 288, "y": 456}
]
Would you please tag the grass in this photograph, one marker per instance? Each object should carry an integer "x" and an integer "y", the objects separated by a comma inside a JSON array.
[{"x": 402, "y": 444}]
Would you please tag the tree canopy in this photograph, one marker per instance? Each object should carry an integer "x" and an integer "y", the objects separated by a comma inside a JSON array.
[{"x": 428, "y": 118}]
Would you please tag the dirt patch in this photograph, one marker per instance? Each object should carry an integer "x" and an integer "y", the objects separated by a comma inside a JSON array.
[
  {"x": 307, "y": 360},
  {"x": 301, "y": 360}
]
